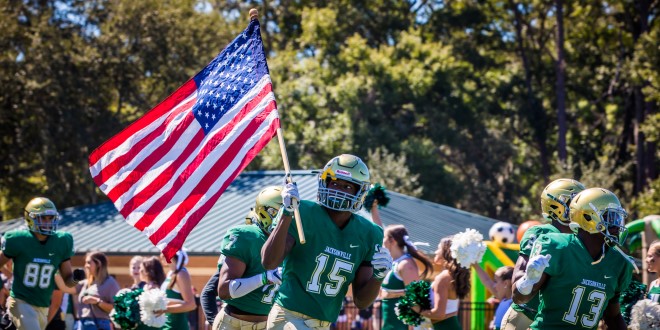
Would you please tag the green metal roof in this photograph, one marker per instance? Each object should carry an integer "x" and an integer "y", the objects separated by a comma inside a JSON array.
[{"x": 101, "y": 227}]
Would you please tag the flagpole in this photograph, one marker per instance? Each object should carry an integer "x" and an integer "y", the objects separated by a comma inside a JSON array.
[
  {"x": 289, "y": 179},
  {"x": 285, "y": 159}
]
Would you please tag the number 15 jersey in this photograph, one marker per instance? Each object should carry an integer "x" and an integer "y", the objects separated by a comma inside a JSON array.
[
  {"x": 316, "y": 275},
  {"x": 578, "y": 290}
]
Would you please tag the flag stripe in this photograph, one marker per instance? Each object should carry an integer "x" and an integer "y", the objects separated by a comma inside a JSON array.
[
  {"x": 137, "y": 171},
  {"x": 175, "y": 183},
  {"x": 154, "y": 114},
  {"x": 201, "y": 190},
  {"x": 177, "y": 238},
  {"x": 137, "y": 145},
  {"x": 160, "y": 178}
]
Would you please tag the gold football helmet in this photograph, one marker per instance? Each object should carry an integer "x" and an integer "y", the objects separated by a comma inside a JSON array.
[
  {"x": 598, "y": 210},
  {"x": 556, "y": 198},
  {"x": 348, "y": 168},
  {"x": 265, "y": 208},
  {"x": 41, "y": 216}
]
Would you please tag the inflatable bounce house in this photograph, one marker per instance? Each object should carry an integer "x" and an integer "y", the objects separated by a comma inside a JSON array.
[{"x": 502, "y": 250}]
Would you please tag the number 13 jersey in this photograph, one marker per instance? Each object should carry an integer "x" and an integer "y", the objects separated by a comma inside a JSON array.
[{"x": 578, "y": 290}]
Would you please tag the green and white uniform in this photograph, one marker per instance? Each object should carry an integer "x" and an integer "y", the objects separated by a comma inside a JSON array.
[
  {"x": 393, "y": 283},
  {"x": 174, "y": 320},
  {"x": 35, "y": 263},
  {"x": 244, "y": 243},
  {"x": 316, "y": 275},
  {"x": 578, "y": 291},
  {"x": 526, "y": 244}
]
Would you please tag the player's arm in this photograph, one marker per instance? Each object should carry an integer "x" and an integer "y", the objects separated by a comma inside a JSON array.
[
  {"x": 3, "y": 259},
  {"x": 55, "y": 303},
  {"x": 71, "y": 277},
  {"x": 612, "y": 315},
  {"x": 233, "y": 285},
  {"x": 365, "y": 286},
  {"x": 61, "y": 286},
  {"x": 278, "y": 245},
  {"x": 183, "y": 282},
  {"x": 521, "y": 282},
  {"x": 207, "y": 298}
]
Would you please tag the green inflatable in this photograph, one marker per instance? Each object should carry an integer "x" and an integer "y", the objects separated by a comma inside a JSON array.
[
  {"x": 496, "y": 256},
  {"x": 635, "y": 228}
]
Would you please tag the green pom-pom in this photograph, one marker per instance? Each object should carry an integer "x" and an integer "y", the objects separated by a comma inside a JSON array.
[
  {"x": 377, "y": 192},
  {"x": 417, "y": 293},
  {"x": 629, "y": 297},
  {"x": 127, "y": 309}
]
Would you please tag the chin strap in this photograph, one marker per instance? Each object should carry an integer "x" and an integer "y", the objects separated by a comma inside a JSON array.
[{"x": 602, "y": 255}]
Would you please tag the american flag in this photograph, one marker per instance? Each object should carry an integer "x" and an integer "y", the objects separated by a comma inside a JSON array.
[{"x": 167, "y": 169}]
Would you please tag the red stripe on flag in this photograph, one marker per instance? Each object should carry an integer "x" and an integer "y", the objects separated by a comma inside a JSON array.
[
  {"x": 148, "y": 192},
  {"x": 163, "y": 107},
  {"x": 118, "y": 163},
  {"x": 177, "y": 242},
  {"x": 203, "y": 186},
  {"x": 162, "y": 202},
  {"x": 143, "y": 167}
]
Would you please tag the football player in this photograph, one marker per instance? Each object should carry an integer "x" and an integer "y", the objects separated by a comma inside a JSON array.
[
  {"x": 555, "y": 201},
  {"x": 38, "y": 252},
  {"x": 580, "y": 276},
  {"x": 246, "y": 288},
  {"x": 342, "y": 248}
]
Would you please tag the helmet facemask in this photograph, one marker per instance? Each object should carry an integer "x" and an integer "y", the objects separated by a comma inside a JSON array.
[
  {"x": 41, "y": 216},
  {"x": 611, "y": 219},
  {"x": 347, "y": 168},
  {"x": 341, "y": 201},
  {"x": 44, "y": 223},
  {"x": 560, "y": 208}
]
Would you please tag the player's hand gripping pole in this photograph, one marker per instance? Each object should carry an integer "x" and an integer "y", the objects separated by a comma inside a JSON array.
[{"x": 289, "y": 179}]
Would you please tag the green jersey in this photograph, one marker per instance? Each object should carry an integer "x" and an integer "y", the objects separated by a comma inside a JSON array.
[
  {"x": 35, "y": 263},
  {"x": 244, "y": 243},
  {"x": 578, "y": 290},
  {"x": 316, "y": 275},
  {"x": 526, "y": 243}
]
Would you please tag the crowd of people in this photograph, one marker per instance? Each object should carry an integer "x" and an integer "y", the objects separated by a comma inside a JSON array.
[{"x": 569, "y": 274}]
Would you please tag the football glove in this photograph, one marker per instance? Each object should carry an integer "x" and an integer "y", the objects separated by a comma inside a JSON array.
[
  {"x": 78, "y": 275},
  {"x": 382, "y": 262},
  {"x": 535, "y": 267},
  {"x": 290, "y": 196},
  {"x": 273, "y": 276}
]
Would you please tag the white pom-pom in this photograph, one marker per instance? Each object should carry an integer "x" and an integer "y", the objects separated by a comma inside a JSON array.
[
  {"x": 468, "y": 247},
  {"x": 151, "y": 301},
  {"x": 645, "y": 315}
]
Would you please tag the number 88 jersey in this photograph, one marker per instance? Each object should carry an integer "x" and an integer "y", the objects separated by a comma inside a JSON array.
[
  {"x": 579, "y": 289},
  {"x": 35, "y": 263}
]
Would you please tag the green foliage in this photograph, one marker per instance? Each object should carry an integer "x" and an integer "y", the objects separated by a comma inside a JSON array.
[{"x": 452, "y": 102}]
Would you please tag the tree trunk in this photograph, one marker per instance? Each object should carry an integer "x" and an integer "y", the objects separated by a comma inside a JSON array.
[{"x": 561, "y": 83}]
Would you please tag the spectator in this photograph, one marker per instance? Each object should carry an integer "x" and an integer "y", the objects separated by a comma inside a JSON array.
[
  {"x": 134, "y": 268},
  {"x": 501, "y": 288},
  {"x": 653, "y": 266},
  {"x": 96, "y": 294}
]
